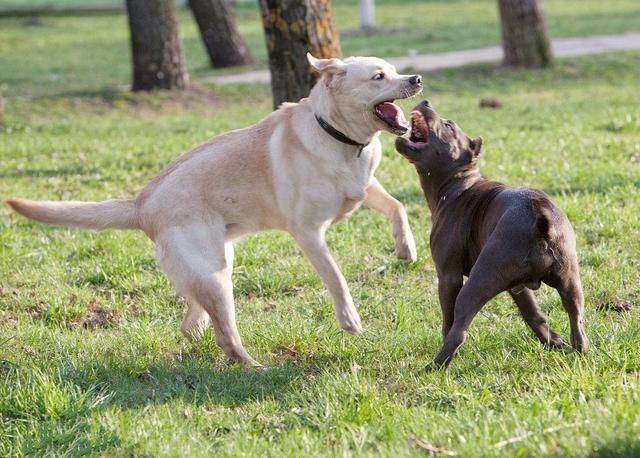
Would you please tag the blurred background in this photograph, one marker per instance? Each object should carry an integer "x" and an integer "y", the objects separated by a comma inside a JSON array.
[{"x": 50, "y": 46}]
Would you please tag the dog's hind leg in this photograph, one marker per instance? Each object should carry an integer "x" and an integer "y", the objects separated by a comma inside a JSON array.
[
  {"x": 533, "y": 316},
  {"x": 449, "y": 286},
  {"x": 570, "y": 290},
  {"x": 196, "y": 320},
  {"x": 193, "y": 257},
  {"x": 379, "y": 199}
]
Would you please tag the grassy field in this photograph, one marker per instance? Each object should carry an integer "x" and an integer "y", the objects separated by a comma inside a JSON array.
[
  {"x": 91, "y": 360},
  {"x": 92, "y": 53}
]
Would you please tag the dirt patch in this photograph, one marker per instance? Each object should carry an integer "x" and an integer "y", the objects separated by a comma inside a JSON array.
[
  {"x": 268, "y": 307},
  {"x": 195, "y": 98},
  {"x": 489, "y": 102},
  {"x": 8, "y": 319},
  {"x": 99, "y": 317},
  {"x": 191, "y": 97},
  {"x": 287, "y": 352},
  {"x": 296, "y": 291},
  {"x": 37, "y": 310},
  {"x": 615, "y": 306}
]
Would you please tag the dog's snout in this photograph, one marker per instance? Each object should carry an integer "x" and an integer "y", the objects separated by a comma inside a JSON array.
[
  {"x": 415, "y": 80},
  {"x": 426, "y": 103}
]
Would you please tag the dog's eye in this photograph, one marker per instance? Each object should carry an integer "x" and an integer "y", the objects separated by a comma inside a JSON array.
[
  {"x": 378, "y": 76},
  {"x": 449, "y": 126}
]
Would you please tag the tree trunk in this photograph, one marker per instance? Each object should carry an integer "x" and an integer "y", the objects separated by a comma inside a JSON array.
[
  {"x": 219, "y": 33},
  {"x": 158, "y": 62},
  {"x": 293, "y": 27},
  {"x": 524, "y": 34}
]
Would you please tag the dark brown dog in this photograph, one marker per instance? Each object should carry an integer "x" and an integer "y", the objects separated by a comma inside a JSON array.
[{"x": 502, "y": 238}]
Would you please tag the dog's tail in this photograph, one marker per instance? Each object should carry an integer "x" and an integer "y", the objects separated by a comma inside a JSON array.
[
  {"x": 544, "y": 218},
  {"x": 543, "y": 225},
  {"x": 118, "y": 214}
]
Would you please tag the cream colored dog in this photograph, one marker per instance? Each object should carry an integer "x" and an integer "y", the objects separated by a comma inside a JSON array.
[{"x": 300, "y": 169}]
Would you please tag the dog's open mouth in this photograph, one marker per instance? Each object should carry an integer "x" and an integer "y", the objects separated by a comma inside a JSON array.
[
  {"x": 419, "y": 128},
  {"x": 392, "y": 116}
]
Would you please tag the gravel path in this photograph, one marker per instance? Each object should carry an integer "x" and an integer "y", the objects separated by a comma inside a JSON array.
[{"x": 562, "y": 47}]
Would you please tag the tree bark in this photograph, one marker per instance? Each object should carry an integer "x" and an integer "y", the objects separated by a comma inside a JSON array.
[
  {"x": 158, "y": 61},
  {"x": 524, "y": 34},
  {"x": 293, "y": 27},
  {"x": 219, "y": 33}
]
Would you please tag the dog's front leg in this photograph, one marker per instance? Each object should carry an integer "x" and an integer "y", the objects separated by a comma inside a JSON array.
[
  {"x": 379, "y": 199},
  {"x": 313, "y": 244},
  {"x": 449, "y": 285}
]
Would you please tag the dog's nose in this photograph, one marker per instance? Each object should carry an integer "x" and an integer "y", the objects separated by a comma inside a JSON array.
[
  {"x": 426, "y": 103},
  {"x": 415, "y": 80}
]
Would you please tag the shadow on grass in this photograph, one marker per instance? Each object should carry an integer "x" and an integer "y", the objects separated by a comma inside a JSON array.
[
  {"x": 109, "y": 97},
  {"x": 97, "y": 385},
  {"x": 194, "y": 380},
  {"x": 630, "y": 449},
  {"x": 107, "y": 94},
  {"x": 48, "y": 173},
  {"x": 199, "y": 380}
]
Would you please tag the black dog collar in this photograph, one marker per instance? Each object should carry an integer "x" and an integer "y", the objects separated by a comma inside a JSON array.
[{"x": 335, "y": 133}]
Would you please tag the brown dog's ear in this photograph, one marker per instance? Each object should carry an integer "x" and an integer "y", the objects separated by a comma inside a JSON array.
[
  {"x": 475, "y": 146},
  {"x": 326, "y": 66}
]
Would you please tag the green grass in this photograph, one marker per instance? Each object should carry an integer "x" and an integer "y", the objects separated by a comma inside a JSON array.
[
  {"x": 92, "y": 52},
  {"x": 91, "y": 360},
  {"x": 44, "y": 4}
]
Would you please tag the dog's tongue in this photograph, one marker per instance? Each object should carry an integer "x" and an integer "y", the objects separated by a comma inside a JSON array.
[{"x": 392, "y": 115}]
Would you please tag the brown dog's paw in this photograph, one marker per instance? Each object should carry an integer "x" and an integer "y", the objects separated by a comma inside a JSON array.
[
  {"x": 580, "y": 343},
  {"x": 433, "y": 367},
  {"x": 559, "y": 345},
  {"x": 555, "y": 342}
]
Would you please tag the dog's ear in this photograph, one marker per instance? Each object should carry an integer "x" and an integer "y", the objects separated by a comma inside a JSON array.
[
  {"x": 326, "y": 66},
  {"x": 475, "y": 146}
]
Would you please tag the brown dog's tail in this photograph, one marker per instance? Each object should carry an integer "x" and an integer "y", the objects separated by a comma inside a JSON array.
[
  {"x": 543, "y": 225},
  {"x": 544, "y": 217},
  {"x": 118, "y": 214}
]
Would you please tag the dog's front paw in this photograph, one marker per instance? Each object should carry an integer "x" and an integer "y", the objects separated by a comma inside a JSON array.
[
  {"x": 353, "y": 329},
  {"x": 406, "y": 248},
  {"x": 351, "y": 323}
]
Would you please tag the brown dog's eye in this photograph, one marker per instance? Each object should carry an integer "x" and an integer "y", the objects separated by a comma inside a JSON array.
[
  {"x": 449, "y": 126},
  {"x": 378, "y": 76}
]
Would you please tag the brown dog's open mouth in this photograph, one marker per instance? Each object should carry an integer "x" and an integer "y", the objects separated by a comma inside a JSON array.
[
  {"x": 391, "y": 114},
  {"x": 419, "y": 128}
]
